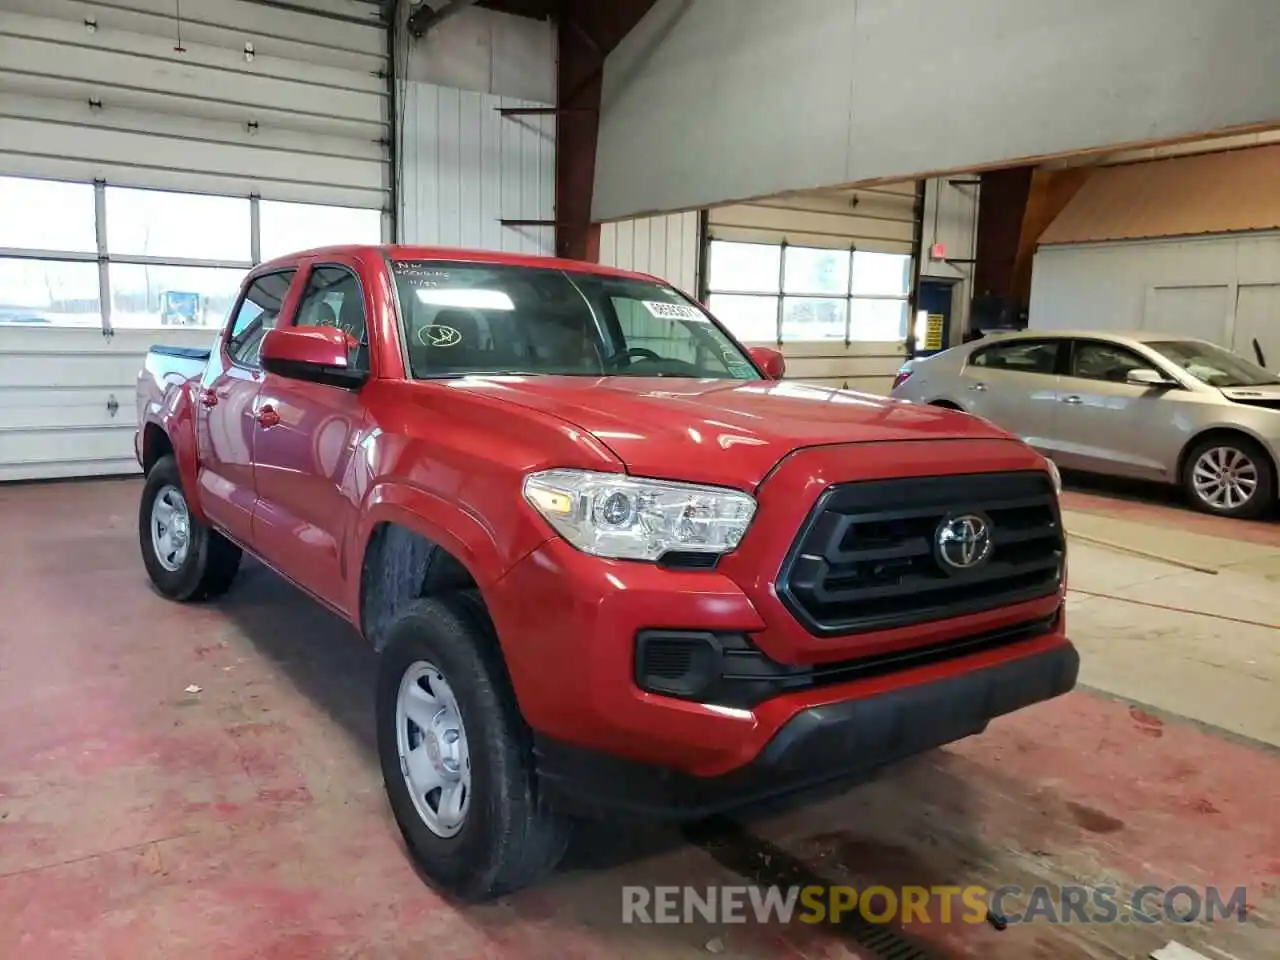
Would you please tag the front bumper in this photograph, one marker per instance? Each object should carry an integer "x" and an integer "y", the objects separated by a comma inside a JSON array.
[
  {"x": 836, "y": 742},
  {"x": 568, "y": 624}
]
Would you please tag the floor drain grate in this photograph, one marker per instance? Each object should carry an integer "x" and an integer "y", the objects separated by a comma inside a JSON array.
[{"x": 763, "y": 863}]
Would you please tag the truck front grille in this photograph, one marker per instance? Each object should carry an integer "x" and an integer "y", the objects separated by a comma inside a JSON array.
[{"x": 879, "y": 554}]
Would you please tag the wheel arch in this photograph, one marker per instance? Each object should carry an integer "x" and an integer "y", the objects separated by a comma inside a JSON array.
[{"x": 1223, "y": 432}]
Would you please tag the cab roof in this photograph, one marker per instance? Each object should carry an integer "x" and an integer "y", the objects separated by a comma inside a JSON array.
[{"x": 403, "y": 252}]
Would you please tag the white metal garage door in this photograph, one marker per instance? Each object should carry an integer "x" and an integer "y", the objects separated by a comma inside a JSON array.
[
  {"x": 151, "y": 151},
  {"x": 827, "y": 275}
]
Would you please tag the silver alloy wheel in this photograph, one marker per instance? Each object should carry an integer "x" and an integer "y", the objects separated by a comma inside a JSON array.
[
  {"x": 432, "y": 744},
  {"x": 170, "y": 527},
  {"x": 1225, "y": 478}
]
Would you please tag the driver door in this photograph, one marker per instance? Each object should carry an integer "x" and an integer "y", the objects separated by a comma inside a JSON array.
[{"x": 1104, "y": 423}]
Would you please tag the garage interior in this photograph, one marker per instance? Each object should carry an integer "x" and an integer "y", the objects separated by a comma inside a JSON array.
[{"x": 202, "y": 780}]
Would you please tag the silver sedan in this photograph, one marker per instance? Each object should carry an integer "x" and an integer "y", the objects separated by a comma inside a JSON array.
[{"x": 1140, "y": 405}]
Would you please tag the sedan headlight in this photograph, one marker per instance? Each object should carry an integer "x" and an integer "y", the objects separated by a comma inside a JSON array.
[
  {"x": 626, "y": 518},
  {"x": 1054, "y": 475}
]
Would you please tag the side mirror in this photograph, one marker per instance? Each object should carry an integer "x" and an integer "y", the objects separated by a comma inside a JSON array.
[
  {"x": 1143, "y": 377},
  {"x": 313, "y": 354},
  {"x": 770, "y": 362}
]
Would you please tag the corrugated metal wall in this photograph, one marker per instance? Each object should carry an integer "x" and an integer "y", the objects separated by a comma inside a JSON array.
[
  {"x": 1223, "y": 289},
  {"x": 666, "y": 247},
  {"x": 466, "y": 167},
  {"x": 950, "y": 217},
  {"x": 286, "y": 102}
]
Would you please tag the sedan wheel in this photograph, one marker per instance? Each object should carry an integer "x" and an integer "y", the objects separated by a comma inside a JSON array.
[{"x": 1230, "y": 477}]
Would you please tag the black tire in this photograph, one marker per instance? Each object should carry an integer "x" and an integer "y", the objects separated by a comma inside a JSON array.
[
  {"x": 510, "y": 838},
  {"x": 1264, "y": 493},
  {"x": 946, "y": 405},
  {"x": 211, "y": 560}
]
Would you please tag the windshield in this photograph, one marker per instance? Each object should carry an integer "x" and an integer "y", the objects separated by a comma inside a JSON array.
[
  {"x": 478, "y": 318},
  {"x": 1213, "y": 365}
]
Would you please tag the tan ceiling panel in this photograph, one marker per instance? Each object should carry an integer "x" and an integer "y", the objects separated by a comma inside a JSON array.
[{"x": 1229, "y": 192}]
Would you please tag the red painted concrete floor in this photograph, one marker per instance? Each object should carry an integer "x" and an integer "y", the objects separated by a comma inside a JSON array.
[{"x": 247, "y": 821}]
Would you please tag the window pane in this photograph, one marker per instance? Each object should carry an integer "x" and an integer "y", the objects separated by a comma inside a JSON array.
[
  {"x": 750, "y": 319},
  {"x": 812, "y": 318},
  {"x": 41, "y": 292},
  {"x": 258, "y": 313},
  {"x": 881, "y": 274},
  {"x": 333, "y": 299},
  {"x": 744, "y": 267},
  {"x": 148, "y": 296},
  {"x": 878, "y": 320},
  {"x": 817, "y": 271},
  {"x": 292, "y": 227},
  {"x": 47, "y": 215},
  {"x": 156, "y": 223}
]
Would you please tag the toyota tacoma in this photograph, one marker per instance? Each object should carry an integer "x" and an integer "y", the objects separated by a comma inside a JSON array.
[{"x": 612, "y": 563}]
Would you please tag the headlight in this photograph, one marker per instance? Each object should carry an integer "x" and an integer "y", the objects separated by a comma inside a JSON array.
[
  {"x": 1055, "y": 475},
  {"x": 625, "y": 518}
]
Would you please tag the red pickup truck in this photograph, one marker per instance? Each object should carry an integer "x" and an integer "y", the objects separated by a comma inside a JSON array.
[{"x": 610, "y": 560}]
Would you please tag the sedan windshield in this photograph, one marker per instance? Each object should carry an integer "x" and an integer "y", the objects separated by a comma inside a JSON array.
[
  {"x": 1213, "y": 365},
  {"x": 479, "y": 318}
]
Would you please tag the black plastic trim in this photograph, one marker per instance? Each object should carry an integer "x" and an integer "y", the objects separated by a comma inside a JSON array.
[
  {"x": 923, "y": 613},
  {"x": 845, "y": 741}
]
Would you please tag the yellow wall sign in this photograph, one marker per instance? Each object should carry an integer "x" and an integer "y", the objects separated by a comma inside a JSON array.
[{"x": 933, "y": 331}]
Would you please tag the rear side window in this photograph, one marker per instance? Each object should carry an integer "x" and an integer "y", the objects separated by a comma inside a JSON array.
[
  {"x": 1022, "y": 356},
  {"x": 257, "y": 313}
]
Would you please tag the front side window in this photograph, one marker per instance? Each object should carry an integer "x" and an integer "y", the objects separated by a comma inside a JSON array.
[
  {"x": 333, "y": 299},
  {"x": 1020, "y": 356},
  {"x": 259, "y": 312},
  {"x": 1093, "y": 360},
  {"x": 1213, "y": 365},
  {"x": 474, "y": 318}
]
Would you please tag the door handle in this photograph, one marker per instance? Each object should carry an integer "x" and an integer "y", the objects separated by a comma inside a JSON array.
[
  {"x": 1073, "y": 400},
  {"x": 978, "y": 386},
  {"x": 267, "y": 417},
  {"x": 208, "y": 398}
]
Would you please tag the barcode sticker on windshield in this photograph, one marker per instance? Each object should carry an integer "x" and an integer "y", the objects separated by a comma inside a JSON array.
[{"x": 673, "y": 311}]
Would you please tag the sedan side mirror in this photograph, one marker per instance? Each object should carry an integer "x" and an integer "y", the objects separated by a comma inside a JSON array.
[
  {"x": 1144, "y": 377},
  {"x": 313, "y": 354},
  {"x": 771, "y": 363}
]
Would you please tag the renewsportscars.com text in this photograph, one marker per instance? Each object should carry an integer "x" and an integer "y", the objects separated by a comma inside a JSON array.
[{"x": 935, "y": 904}]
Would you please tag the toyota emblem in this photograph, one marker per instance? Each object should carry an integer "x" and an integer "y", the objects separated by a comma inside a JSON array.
[
  {"x": 964, "y": 542},
  {"x": 438, "y": 335}
]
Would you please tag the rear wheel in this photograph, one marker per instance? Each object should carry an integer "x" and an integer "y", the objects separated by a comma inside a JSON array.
[
  {"x": 456, "y": 756},
  {"x": 185, "y": 559},
  {"x": 1231, "y": 477}
]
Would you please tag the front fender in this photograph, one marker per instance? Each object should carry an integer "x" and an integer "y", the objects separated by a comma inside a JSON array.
[{"x": 486, "y": 552}]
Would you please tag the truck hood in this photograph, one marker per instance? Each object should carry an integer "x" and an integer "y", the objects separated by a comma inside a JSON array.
[{"x": 724, "y": 432}]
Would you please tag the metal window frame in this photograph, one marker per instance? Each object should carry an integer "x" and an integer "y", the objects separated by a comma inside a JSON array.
[
  {"x": 104, "y": 259},
  {"x": 781, "y": 294}
]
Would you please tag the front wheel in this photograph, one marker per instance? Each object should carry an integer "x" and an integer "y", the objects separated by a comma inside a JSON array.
[
  {"x": 456, "y": 756},
  {"x": 1230, "y": 477},
  {"x": 185, "y": 559}
]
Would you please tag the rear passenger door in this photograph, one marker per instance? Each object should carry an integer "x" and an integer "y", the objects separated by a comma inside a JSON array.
[
  {"x": 1014, "y": 384},
  {"x": 305, "y": 440},
  {"x": 225, "y": 410}
]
